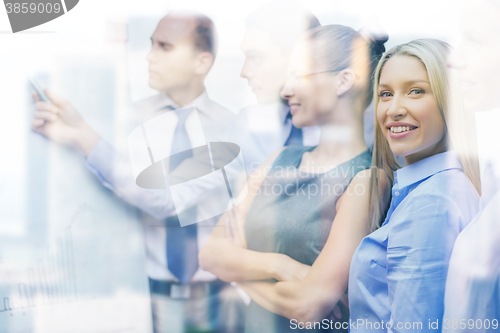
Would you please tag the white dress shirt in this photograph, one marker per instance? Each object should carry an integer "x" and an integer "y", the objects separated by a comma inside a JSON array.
[
  {"x": 474, "y": 272},
  {"x": 489, "y": 154},
  {"x": 114, "y": 171}
]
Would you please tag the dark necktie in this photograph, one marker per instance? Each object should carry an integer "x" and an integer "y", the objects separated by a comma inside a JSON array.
[
  {"x": 182, "y": 242},
  {"x": 295, "y": 137}
]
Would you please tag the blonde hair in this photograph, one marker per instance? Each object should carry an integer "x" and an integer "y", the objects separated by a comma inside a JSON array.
[{"x": 460, "y": 125}]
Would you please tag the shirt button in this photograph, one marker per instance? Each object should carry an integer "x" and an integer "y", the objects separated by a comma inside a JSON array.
[{"x": 396, "y": 193}]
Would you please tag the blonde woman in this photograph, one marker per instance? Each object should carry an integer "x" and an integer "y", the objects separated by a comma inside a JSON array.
[{"x": 398, "y": 273}]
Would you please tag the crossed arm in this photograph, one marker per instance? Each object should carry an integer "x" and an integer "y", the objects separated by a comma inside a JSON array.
[
  {"x": 312, "y": 298},
  {"x": 225, "y": 253},
  {"x": 308, "y": 293}
]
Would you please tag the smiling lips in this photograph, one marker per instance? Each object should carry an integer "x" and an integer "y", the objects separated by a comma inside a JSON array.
[
  {"x": 397, "y": 131},
  {"x": 294, "y": 107}
]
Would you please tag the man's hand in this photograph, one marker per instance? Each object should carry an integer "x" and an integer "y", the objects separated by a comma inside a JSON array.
[{"x": 60, "y": 122}]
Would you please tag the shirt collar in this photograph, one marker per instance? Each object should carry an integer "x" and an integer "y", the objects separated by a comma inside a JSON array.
[
  {"x": 164, "y": 101},
  {"x": 427, "y": 167},
  {"x": 201, "y": 102}
]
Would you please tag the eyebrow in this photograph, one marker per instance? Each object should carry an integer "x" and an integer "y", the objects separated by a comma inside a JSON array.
[
  {"x": 162, "y": 43},
  {"x": 406, "y": 83}
]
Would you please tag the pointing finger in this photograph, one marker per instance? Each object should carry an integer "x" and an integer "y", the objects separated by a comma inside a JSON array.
[
  {"x": 43, "y": 106},
  {"x": 44, "y": 115}
]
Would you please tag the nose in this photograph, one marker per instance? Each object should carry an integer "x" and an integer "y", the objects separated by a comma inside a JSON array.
[
  {"x": 246, "y": 72},
  {"x": 150, "y": 56},
  {"x": 287, "y": 91},
  {"x": 397, "y": 110}
]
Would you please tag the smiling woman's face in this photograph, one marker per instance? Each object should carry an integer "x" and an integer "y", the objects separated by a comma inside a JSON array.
[{"x": 407, "y": 111}]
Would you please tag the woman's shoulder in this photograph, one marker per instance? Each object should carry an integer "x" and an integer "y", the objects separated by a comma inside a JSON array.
[
  {"x": 450, "y": 183},
  {"x": 290, "y": 155},
  {"x": 364, "y": 176},
  {"x": 448, "y": 192},
  {"x": 363, "y": 160},
  {"x": 434, "y": 212},
  {"x": 356, "y": 169},
  {"x": 296, "y": 149}
]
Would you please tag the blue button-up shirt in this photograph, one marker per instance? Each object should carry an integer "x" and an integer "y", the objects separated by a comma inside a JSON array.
[{"x": 398, "y": 273}]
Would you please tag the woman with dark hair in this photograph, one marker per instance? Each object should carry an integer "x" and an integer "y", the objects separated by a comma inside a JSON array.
[{"x": 290, "y": 243}]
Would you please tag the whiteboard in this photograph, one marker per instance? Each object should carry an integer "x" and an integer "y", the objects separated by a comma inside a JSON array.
[{"x": 71, "y": 253}]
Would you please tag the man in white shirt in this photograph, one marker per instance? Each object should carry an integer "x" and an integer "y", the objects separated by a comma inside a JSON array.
[
  {"x": 472, "y": 298},
  {"x": 184, "y": 297}
]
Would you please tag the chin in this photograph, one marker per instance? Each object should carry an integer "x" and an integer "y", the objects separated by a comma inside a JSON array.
[
  {"x": 399, "y": 151},
  {"x": 263, "y": 98},
  {"x": 154, "y": 84},
  {"x": 300, "y": 124}
]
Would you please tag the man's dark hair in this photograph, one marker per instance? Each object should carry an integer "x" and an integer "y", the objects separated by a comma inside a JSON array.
[{"x": 205, "y": 35}]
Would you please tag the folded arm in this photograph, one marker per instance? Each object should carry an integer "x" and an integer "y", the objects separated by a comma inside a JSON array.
[
  {"x": 232, "y": 261},
  {"x": 312, "y": 298}
]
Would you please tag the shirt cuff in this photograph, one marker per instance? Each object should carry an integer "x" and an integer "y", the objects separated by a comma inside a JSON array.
[{"x": 100, "y": 162}]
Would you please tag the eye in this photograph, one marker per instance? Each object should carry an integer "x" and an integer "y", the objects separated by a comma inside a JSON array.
[
  {"x": 165, "y": 46},
  {"x": 385, "y": 94},
  {"x": 417, "y": 92}
]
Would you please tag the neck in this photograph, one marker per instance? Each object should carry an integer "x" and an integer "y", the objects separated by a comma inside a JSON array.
[
  {"x": 439, "y": 148},
  {"x": 342, "y": 134},
  {"x": 184, "y": 95}
]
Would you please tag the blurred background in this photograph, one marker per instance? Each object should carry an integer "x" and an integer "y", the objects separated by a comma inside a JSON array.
[{"x": 71, "y": 253}]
